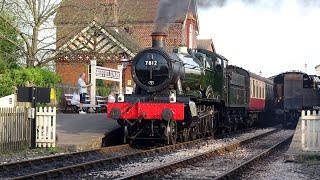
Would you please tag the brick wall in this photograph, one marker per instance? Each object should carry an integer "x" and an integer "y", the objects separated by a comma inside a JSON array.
[
  {"x": 70, "y": 72},
  {"x": 142, "y": 32}
]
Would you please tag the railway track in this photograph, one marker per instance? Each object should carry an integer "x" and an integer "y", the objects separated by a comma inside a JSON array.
[
  {"x": 237, "y": 171},
  {"x": 166, "y": 169},
  {"x": 21, "y": 168},
  {"x": 62, "y": 166}
]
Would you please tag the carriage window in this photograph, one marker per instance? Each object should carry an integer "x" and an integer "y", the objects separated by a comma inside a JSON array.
[
  {"x": 307, "y": 81},
  {"x": 254, "y": 89},
  {"x": 251, "y": 92},
  {"x": 257, "y": 89}
]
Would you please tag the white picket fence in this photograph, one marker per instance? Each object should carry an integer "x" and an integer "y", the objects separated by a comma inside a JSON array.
[
  {"x": 46, "y": 126},
  {"x": 310, "y": 129}
]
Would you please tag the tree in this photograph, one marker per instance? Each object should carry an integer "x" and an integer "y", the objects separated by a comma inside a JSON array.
[
  {"x": 8, "y": 55},
  {"x": 34, "y": 27}
]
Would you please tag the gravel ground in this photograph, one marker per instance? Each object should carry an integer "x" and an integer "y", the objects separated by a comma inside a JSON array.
[
  {"x": 155, "y": 161},
  {"x": 220, "y": 164},
  {"x": 275, "y": 168},
  {"x": 29, "y": 154},
  {"x": 66, "y": 161}
]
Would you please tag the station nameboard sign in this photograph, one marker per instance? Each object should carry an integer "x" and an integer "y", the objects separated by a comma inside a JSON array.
[{"x": 107, "y": 74}]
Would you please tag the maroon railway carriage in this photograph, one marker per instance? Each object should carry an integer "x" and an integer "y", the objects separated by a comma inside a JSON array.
[
  {"x": 257, "y": 100},
  {"x": 250, "y": 91}
]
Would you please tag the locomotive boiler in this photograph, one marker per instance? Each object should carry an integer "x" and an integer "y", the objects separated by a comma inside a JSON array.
[{"x": 183, "y": 95}]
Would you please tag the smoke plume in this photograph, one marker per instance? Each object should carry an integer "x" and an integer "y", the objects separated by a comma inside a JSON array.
[
  {"x": 204, "y": 4},
  {"x": 210, "y": 3},
  {"x": 170, "y": 11}
]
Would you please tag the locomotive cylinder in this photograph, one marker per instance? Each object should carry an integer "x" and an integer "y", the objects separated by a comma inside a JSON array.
[{"x": 158, "y": 39}]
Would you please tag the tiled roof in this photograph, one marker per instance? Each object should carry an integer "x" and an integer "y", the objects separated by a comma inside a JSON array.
[
  {"x": 205, "y": 44},
  {"x": 81, "y": 11}
]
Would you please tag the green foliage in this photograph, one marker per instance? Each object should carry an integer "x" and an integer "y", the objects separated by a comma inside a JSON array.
[
  {"x": 8, "y": 44},
  {"x": 102, "y": 89},
  {"x": 13, "y": 78}
]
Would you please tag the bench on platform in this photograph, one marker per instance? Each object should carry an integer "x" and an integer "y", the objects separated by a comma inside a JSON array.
[{"x": 74, "y": 105}]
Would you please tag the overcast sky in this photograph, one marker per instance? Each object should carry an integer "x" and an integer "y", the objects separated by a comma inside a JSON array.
[{"x": 271, "y": 36}]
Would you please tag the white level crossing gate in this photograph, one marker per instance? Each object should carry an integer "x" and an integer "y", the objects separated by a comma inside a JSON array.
[{"x": 46, "y": 127}]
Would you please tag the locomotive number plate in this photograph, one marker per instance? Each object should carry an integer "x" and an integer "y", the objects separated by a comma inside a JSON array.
[{"x": 151, "y": 63}]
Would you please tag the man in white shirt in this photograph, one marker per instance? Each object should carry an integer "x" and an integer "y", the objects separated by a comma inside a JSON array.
[{"x": 83, "y": 91}]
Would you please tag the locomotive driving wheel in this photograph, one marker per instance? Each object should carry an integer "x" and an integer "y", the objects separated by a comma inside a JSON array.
[{"x": 171, "y": 132}]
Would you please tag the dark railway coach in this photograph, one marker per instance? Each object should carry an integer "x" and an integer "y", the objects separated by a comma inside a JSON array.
[{"x": 293, "y": 92}]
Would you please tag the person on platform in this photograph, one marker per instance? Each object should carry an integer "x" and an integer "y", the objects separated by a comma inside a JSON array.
[
  {"x": 83, "y": 91},
  {"x": 112, "y": 97}
]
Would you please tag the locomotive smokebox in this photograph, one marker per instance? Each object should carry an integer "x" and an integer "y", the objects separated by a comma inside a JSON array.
[{"x": 158, "y": 39}]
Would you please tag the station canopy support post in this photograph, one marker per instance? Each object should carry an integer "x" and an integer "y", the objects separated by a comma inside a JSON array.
[{"x": 108, "y": 74}]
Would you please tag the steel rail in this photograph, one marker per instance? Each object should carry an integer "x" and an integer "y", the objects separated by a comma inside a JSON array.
[
  {"x": 64, "y": 171},
  {"x": 16, "y": 166},
  {"x": 233, "y": 173},
  {"x": 167, "y": 168},
  {"x": 84, "y": 167}
]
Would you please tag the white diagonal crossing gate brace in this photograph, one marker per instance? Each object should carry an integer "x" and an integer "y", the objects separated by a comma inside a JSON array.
[{"x": 98, "y": 72}]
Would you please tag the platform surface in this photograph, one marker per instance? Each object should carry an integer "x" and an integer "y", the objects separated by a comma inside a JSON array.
[{"x": 83, "y": 131}]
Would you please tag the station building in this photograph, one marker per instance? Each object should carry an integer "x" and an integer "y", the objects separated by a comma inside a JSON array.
[{"x": 112, "y": 30}]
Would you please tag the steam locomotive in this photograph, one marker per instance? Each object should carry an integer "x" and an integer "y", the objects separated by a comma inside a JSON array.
[{"x": 188, "y": 94}]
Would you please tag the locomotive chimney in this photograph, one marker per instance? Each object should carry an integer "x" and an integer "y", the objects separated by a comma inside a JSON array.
[{"x": 158, "y": 39}]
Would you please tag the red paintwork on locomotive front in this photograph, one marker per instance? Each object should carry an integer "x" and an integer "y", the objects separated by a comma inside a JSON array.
[
  {"x": 147, "y": 111},
  {"x": 256, "y": 104}
]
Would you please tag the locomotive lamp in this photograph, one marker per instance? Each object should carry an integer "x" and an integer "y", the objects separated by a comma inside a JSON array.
[
  {"x": 173, "y": 96},
  {"x": 121, "y": 97}
]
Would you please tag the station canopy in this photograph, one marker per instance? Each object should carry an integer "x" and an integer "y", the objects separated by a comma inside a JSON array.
[{"x": 103, "y": 43}]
